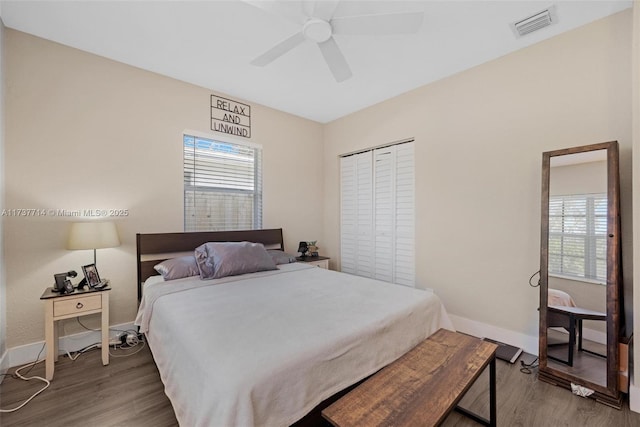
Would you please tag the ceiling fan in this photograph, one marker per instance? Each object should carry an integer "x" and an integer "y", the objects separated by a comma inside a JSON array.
[{"x": 318, "y": 25}]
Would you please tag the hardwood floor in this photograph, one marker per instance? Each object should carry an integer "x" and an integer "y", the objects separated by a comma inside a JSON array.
[
  {"x": 524, "y": 401},
  {"x": 128, "y": 392},
  {"x": 585, "y": 365}
]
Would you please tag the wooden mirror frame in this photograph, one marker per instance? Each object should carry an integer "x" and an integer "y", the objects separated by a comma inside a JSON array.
[{"x": 610, "y": 394}]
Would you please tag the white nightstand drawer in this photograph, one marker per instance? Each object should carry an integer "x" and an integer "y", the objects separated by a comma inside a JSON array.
[
  {"x": 77, "y": 305},
  {"x": 322, "y": 264},
  {"x": 316, "y": 261}
]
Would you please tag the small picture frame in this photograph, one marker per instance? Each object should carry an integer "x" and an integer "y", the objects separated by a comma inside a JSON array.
[
  {"x": 68, "y": 287},
  {"x": 91, "y": 275}
]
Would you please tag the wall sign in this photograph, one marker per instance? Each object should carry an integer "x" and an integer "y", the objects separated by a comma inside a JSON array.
[{"x": 230, "y": 117}]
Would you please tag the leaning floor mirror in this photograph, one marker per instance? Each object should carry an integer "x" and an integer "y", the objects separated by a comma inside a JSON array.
[{"x": 580, "y": 274}]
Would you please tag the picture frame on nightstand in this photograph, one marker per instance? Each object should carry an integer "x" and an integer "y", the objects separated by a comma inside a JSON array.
[
  {"x": 91, "y": 275},
  {"x": 68, "y": 287}
]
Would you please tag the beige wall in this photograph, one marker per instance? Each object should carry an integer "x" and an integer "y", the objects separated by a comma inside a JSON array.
[
  {"x": 84, "y": 132},
  {"x": 479, "y": 139},
  {"x": 584, "y": 178}
]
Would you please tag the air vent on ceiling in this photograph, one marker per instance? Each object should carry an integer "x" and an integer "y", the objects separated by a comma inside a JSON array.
[{"x": 534, "y": 22}]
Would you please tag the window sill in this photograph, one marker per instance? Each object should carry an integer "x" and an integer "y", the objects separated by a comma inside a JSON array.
[{"x": 578, "y": 279}]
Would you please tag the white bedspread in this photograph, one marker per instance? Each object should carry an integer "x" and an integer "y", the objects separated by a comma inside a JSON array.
[{"x": 264, "y": 349}]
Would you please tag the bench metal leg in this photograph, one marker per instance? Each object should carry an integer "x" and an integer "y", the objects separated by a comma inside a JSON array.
[
  {"x": 493, "y": 409},
  {"x": 491, "y": 422}
]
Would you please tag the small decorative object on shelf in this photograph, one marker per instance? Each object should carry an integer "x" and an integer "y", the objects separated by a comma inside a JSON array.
[
  {"x": 312, "y": 248},
  {"x": 63, "y": 284},
  {"x": 303, "y": 249}
]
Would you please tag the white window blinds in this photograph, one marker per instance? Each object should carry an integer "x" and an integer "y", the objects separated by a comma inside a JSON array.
[
  {"x": 222, "y": 185},
  {"x": 577, "y": 236},
  {"x": 377, "y": 214}
]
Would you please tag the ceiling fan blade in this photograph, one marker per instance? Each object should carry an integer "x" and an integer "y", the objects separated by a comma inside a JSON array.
[
  {"x": 324, "y": 9},
  {"x": 335, "y": 60},
  {"x": 383, "y": 24},
  {"x": 278, "y": 50},
  {"x": 291, "y": 11}
]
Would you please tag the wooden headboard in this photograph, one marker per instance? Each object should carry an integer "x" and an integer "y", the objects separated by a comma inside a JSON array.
[{"x": 150, "y": 245}]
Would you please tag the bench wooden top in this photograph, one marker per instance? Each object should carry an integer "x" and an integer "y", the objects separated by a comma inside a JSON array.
[{"x": 420, "y": 388}]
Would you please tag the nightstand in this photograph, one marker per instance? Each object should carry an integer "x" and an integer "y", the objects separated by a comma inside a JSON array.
[
  {"x": 318, "y": 261},
  {"x": 64, "y": 306}
]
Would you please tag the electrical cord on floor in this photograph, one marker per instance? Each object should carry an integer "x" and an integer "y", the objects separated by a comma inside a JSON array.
[
  {"x": 18, "y": 375},
  {"x": 34, "y": 363},
  {"x": 99, "y": 330},
  {"x": 22, "y": 377},
  {"x": 527, "y": 368},
  {"x": 83, "y": 350},
  {"x": 86, "y": 327},
  {"x": 129, "y": 354},
  {"x": 136, "y": 342}
]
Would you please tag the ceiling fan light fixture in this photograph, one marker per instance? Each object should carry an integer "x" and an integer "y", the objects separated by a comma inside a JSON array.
[
  {"x": 321, "y": 25},
  {"x": 317, "y": 30}
]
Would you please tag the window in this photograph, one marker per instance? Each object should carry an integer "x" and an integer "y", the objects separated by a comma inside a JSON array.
[
  {"x": 222, "y": 185},
  {"x": 577, "y": 236}
]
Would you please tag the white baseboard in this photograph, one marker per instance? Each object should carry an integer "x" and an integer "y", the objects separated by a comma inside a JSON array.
[
  {"x": 634, "y": 397},
  {"x": 472, "y": 327},
  {"x": 595, "y": 336},
  {"x": 17, "y": 356},
  {"x": 4, "y": 365}
]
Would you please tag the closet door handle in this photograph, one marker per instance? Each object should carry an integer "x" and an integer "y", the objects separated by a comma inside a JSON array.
[{"x": 79, "y": 305}]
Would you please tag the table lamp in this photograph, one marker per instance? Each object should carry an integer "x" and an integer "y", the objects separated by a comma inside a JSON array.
[
  {"x": 303, "y": 248},
  {"x": 93, "y": 235}
]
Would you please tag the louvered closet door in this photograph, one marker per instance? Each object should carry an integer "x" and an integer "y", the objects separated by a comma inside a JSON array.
[
  {"x": 357, "y": 214},
  {"x": 394, "y": 214},
  {"x": 384, "y": 210},
  {"x": 404, "y": 256}
]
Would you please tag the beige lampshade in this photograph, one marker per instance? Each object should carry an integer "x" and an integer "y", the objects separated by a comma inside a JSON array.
[{"x": 93, "y": 235}]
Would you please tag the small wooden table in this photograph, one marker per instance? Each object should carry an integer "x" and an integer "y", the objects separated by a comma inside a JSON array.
[
  {"x": 422, "y": 387},
  {"x": 64, "y": 306}
]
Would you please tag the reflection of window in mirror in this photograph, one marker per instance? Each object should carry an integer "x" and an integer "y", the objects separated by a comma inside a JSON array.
[
  {"x": 577, "y": 236},
  {"x": 578, "y": 217}
]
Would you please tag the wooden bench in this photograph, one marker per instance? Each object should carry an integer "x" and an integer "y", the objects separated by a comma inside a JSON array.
[{"x": 422, "y": 387}]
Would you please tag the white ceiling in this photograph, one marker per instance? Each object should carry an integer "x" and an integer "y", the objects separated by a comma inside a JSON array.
[{"x": 210, "y": 44}]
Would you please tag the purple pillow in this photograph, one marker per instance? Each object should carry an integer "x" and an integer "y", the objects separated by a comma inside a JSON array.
[
  {"x": 221, "y": 259},
  {"x": 281, "y": 257},
  {"x": 177, "y": 268}
]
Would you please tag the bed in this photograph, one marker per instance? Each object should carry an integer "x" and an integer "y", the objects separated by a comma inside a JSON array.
[{"x": 266, "y": 348}]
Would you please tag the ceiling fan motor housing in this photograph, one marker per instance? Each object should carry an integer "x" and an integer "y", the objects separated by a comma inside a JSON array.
[{"x": 317, "y": 30}]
